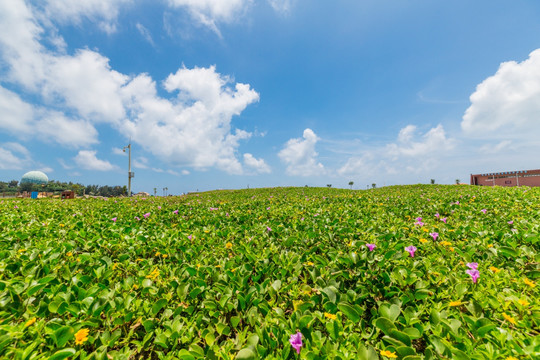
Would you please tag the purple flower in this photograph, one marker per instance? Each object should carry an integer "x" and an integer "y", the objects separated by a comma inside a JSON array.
[
  {"x": 411, "y": 249},
  {"x": 371, "y": 246},
  {"x": 434, "y": 235},
  {"x": 419, "y": 222},
  {"x": 268, "y": 229},
  {"x": 146, "y": 215},
  {"x": 443, "y": 220},
  {"x": 473, "y": 266},
  {"x": 114, "y": 219},
  {"x": 475, "y": 274},
  {"x": 159, "y": 207},
  {"x": 296, "y": 341},
  {"x": 190, "y": 237},
  {"x": 484, "y": 211},
  {"x": 419, "y": 219},
  {"x": 437, "y": 215},
  {"x": 175, "y": 212},
  {"x": 510, "y": 222},
  {"x": 137, "y": 218}
]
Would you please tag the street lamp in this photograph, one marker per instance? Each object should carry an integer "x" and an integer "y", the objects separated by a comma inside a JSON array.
[{"x": 130, "y": 174}]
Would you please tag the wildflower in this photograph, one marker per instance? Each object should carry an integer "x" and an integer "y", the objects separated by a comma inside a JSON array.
[
  {"x": 455, "y": 303},
  {"x": 61, "y": 225},
  {"x": 434, "y": 235},
  {"x": 511, "y": 358},
  {"x": 135, "y": 286},
  {"x": 490, "y": 246},
  {"x": 411, "y": 250},
  {"x": 529, "y": 282},
  {"x": 190, "y": 237},
  {"x": 330, "y": 316},
  {"x": 437, "y": 215},
  {"x": 30, "y": 322},
  {"x": 146, "y": 215},
  {"x": 484, "y": 211},
  {"x": 523, "y": 302},
  {"x": 228, "y": 245},
  {"x": 510, "y": 222},
  {"x": 474, "y": 274},
  {"x": 159, "y": 207},
  {"x": 296, "y": 341},
  {"x": 114, "y": 219},
  {"x": 268, "y": 229},
  {"x": 309, "y": 263},
  {"x": 175, "y": 212},
  {"x": 445, "y": 243},
  {"x": 419, "y": 221},
  {"x": 509, "y": 318},
  {"x": 137, "y": 218},
  {"x": 81, "y": 336},
  {"x": 388, "y": 354},
  {"x": 473, "y": 266},
  {"x": 443, "y": 220},
  {"x": 422, "y": 240},
  {"x": 371, "y": 246},
  {"x": 494, "y": 269},
  {"x": 69, "y": 254}
]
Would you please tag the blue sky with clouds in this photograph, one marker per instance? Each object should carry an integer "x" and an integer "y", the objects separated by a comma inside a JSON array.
[{"x": 230, "y": 93}]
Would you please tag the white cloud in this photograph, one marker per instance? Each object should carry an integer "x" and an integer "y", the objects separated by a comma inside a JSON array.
[
  {"x": 105, "y": 12},
  {"x": 209, "y": 12},
  {"x": 140, "y": 163},
  {"x": 185, "y": 172},
  {"x": 145, "y": 33},
  {"x": 258, "y": 165},
  {"x": 281, "y": 6},
  {"x": 300, "y": 156},
  {"x": 193, "y": 129},
  {"x": 506, "y": 104},
  {"x": 118, "y": 151},
  {"x": 86, "y": 159},
  {"x": 13, "y": 156},
  {"x": 410, "y": 154},
  {"x": 496, "y": 148}
]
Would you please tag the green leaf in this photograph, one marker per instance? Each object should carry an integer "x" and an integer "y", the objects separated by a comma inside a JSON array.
[
  {"x": 158, "y": 306},
  {"x": 391, "y": 312},
  {"x": 508, "y": 251},
  {"x": 276, "y": 285},
  {"x": 210, "y": 338},
  {"x": 485, "y": 329},
  {"x": 246, "y": 354},
  {"x": 385, "y": 325},
  {"x": 349, "y": 311},
  {"x": 62, "y": 354},
  {"x": 330, "y": 293},
  {"x": 367, "y": 353},
  {"x": 459, "y": 355},
  {"x": 401, "y": 336},
  {"x": 63, "y": 335}
]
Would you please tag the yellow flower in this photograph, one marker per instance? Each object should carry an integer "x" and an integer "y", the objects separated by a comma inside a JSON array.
[
  {"x": 22, "y": 250},
  {"x": 529, "y": 282},
  {"x": 490, "y": 246},
  {"x": 509, "y": 318},
  {"x": 62, "y": 225},
  {"x": 388, "y": 354},
  {"x": 455, "y": 303},
  {"x": 310, "y": 263},
  {"x": 138, "y": 260},
  {"x": 69, "y": 253},
  {"x": 425, "y": 230},
  {"x": 158, "y": 253},
  {"x": 164, "y": 256},
  {"x": 451, "y": 249},
  {"x": 330, "y": 316},
  {"x": 81, "y": 336},
  {"x": 30, "y": 322},
  {"x": 228, "y": 245},
  {"x": 422, "y": 240},
  {"x": 135, "y": 286},
  {"x": 511, "y": 358},
  {"x": 523, "y": 302},
  {"x": 445, "y": 243},
  {"x": 153, "y": 275},
  {"x": 494, "y": 269},
  {"x": 114, "y": 265}
]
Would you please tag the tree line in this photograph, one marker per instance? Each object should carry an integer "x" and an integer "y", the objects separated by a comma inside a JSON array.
[{"x": 13, "y": 187}]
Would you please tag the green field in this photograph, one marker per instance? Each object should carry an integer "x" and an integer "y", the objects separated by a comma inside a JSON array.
[{"x": 233, "y": 274}]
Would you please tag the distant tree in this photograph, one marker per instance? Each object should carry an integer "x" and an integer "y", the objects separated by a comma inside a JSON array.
[
  {"x": 432, "y": 181},
  {"x": 373, "y": 185},
  {"x": 13, "y": 183},
  {"x": 351, "y": 183},
  {"x": 27, "y": 186},
  {"x": 329, "y": 185},
  {"x": 3, "y": 186},
  {"x": 458, "y": 181}
]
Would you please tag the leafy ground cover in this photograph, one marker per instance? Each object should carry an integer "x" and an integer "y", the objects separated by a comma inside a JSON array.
[{"x": 409, "y": 272}]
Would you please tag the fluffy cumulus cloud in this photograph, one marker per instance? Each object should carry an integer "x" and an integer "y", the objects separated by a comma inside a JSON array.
[
  {"x": 13, "y": 156},
  {"x": 300, "y": 156},
  {"x": 191, "y": 127},
  {"x": 258, "y": 166},
  {"x": 506, "y": 104},
  {"x": 411, "y": 153},
  {"x": 87, "y": 159},
  {"x": 105, "y": 12}
]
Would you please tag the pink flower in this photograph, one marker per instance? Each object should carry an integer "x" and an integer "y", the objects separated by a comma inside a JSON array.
[
  {"x": 474, "y": 274},
  {"x": 437, "y": 215},
  {"x": 146, "y": 215},
  {"x": 268, "y": 229},
  {"x": 473, "y": 266},
  {"x": 443, "y": 220},
  {"x": 113, "y": 219},
  {"x": 159, "y": 207},
  {"x": 296, "y": 341},
  {"x": 371, "y": 246},
  {"x": 137, "y": 218},
  {"x": 190, "y": 237},
  {"x": 484, "y": 211},
  {"x": 175, "y": 212},
  {"x": 510, "y": 222},
  {"x": 434, "y": 235},
  {"x": 411, "y": 250}
]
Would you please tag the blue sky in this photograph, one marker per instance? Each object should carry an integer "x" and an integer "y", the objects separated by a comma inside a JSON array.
[{"x": 235, "y": 93}]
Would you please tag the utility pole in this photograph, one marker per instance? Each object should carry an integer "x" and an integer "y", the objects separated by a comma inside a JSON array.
[{"x": 130, "y": 174}]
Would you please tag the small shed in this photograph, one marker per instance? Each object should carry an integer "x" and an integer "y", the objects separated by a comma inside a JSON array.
[{"x": 68, "y": 194}]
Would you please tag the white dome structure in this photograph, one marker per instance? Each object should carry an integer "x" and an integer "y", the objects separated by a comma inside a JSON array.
[{"x": 35, "y": 177}]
